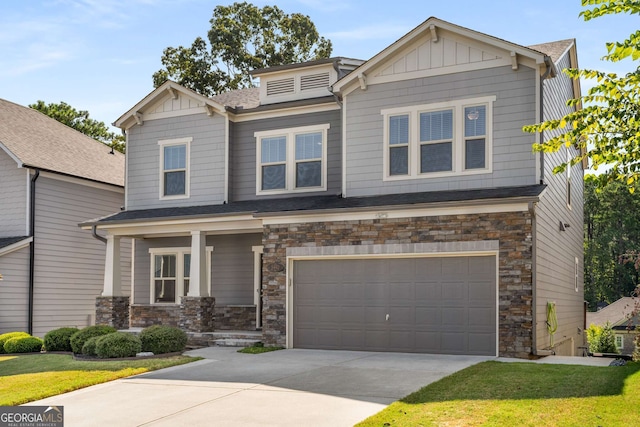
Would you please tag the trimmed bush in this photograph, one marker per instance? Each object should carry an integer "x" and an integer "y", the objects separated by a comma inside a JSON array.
[
  {"x": 163, "y": 339},
  {"x": 78, "y": 339},
  {"x": 6, "y": 337},
  {"x": 26, "y": 344},
  {"x": 58, "y": 339},
  {"x": 89, "y": 347},
  {"x": 601, "y": 339},
  {"x": 118, "y": 344}
]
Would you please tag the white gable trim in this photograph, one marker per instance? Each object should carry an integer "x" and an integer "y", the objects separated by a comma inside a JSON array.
[
  {"x": 168, "y": 90},
  {"x": 10, "y": 154},
  {"x": 270, "y": 114},
  {"x": 346, "y": 84},
  {"x": 16, "y": 246}
]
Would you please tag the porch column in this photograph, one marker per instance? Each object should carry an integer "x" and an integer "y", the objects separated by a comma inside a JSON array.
[
  {"x": 112, "y": 279},
  {"x": 198, "y": 273}
]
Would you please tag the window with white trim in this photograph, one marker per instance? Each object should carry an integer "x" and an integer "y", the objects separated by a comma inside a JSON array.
[
  {"x": 174, "y": 168},
  {"x": 619, "y": 342},
  {"x": 441, "y": 139},
  {"x": 568, "y": 172},
  {"x": 291, "y": 160},
  {"x": 576, "y": 273},
  {"x": 170, "y": 273}
]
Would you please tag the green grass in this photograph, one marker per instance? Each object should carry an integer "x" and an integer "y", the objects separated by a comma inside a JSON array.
[
  {"x": 31, "y": 377},
  {"x": 522, "y": 394},
  {"x": 258, "y": 349}
]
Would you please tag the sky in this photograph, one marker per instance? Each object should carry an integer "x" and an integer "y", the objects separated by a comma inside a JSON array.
[{"x": 99, "y": 55}]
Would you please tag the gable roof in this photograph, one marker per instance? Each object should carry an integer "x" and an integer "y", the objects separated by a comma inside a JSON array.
[
  {"x": 35, "y": 140},
  {"x": 555, "y": 50},
  {"x": 432, "y": 25},
  {"x": 134, "y": 115},
  {"x": 240, "y": 98},
  {"x": 615, "y": 313}
]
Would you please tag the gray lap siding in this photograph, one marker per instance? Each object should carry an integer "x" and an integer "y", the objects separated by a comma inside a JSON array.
[{"x": 512, "y": 230}]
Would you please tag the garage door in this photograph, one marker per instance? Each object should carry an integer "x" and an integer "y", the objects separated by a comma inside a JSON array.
[{"x": 441, "y": 305}]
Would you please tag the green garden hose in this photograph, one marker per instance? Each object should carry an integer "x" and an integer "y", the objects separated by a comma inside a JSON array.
[{"x": 552, "y": 321}]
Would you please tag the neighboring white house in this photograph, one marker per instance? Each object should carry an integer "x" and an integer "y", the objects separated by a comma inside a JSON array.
[{"x": 51, "y": 178}]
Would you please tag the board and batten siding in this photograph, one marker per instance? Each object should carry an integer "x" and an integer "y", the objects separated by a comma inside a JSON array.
[
  {"x": 243, "y": 153},
  {"x": 232, "y": 265},
  {"x": 14, "y": 289},
  {"x": 69, "y": 261},
  {"x": 13, "y": 198},
  {"x": 207, "y": 157},
  {"x": 556, "y": 250},
  {"x": 515, "y": 106}
]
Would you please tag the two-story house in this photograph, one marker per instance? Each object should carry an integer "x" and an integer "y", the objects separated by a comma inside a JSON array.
[
  {"x": 51, "y": 178},
  {"x": 387, "y": 205}
]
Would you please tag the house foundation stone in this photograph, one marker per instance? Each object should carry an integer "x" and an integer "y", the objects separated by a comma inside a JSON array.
[
  {"x": 197, "y": 314},
  {"x": 113, "y": 311}
]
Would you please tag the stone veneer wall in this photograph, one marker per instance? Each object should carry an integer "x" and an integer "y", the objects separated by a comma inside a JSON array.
[
  {"x": 145, "y": 315},
  {"x": 197, "y": 314},
  {"x": 113, "y": 311},
  {"x": 235, "y": 317},
  {"x": 512, "y": 230}
]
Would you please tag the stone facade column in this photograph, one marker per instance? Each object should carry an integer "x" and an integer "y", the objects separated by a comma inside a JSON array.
[
  {"x": 113, "y": 311},
  {"x": 197, "y": 314}
]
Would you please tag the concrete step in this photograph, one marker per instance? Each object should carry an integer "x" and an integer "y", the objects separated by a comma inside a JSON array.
[{"x": 234, "y": 342}]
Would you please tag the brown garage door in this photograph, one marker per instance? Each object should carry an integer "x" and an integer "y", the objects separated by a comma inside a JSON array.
[{"x": 441, "y": 305}]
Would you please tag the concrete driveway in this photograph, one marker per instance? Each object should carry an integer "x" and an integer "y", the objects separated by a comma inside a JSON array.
[{"x": 281, "y": 388}]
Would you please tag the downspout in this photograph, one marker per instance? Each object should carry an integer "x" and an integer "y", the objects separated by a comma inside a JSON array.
[
  {"x": 95, "y": 234},
  {"x": 547, "y": 72},
  {"x": 32, "y": 247}
]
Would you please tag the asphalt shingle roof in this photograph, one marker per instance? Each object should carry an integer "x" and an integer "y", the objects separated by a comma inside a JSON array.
[
  {"x": 8, "y": 241},
  {"x": 553, "y": 49},
  {"x": 245, "y": 98},
  {"x": 314, "y": 203},
  {"x": 41, "y": 142},
  {"x": 616, "y": 313}
]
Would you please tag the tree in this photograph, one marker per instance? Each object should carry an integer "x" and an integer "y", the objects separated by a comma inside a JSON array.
[
  {"x": 612, "y": 233},
  {"x": 607, "y": 128},
  {"x": 80, "y": 121},
  {"x": 243, "y": 37}
]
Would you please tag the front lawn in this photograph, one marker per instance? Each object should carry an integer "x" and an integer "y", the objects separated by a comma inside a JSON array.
[
  {"x": 31, "y": 377},
  {"x": 522, "y": 394}
]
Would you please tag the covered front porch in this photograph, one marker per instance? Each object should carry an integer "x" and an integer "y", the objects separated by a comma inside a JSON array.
[{"x": 201, "y": 276}]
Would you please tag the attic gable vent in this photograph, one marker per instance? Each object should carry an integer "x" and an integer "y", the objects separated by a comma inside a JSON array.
[
  {"x": 280, "y": 87},
  {"x": 314, "y": 81}
]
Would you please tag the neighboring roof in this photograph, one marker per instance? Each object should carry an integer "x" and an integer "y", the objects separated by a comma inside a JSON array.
[
  {"x": 554, "y": 50},
  {"x": 8, "y": 241},
  {"x": 616, "y": 313},
  {"x": 37, "y": 141},
  {"x": 240, "y": 98},
  {"x": 320, "y": 203},
  {"x": 10, "y": 244}
]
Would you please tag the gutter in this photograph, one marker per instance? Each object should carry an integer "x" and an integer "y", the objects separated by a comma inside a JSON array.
[
  {"x": 94, "y": 233},
  {"x": 32, "y": 248}
]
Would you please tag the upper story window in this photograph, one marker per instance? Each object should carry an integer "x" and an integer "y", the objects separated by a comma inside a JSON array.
[
  {"x": 174, "y": 168},
  {"x": 438, "y": 139},
  {"x": 569, "y": 157},
  {"x": 292, "y": 160}
]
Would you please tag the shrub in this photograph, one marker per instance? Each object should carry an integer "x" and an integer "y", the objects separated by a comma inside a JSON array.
[
  {"x": 163, "y": 339},
  {"x": 118, "y": 344},
  {"x": 79, "y": 338},
  {"x": 58, "y": 339},
  {"x": 89, "y": 347},
  {"x": 601, "y": 339},
  {"x": 26, "y": 344},
  {"x": 636, "y": 353},
  {"x": 6, "y": 337}
]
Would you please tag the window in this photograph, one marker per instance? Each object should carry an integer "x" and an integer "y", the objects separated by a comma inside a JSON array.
[
  {"x": 174, "y": 168},
  {"x": 576, "y": 273},
  {"x": 170, "y": 273},
  {"x": 438, "y": 139},
  {"x": 291, "y": 160},
  {"x": 619, "y": 342}
]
